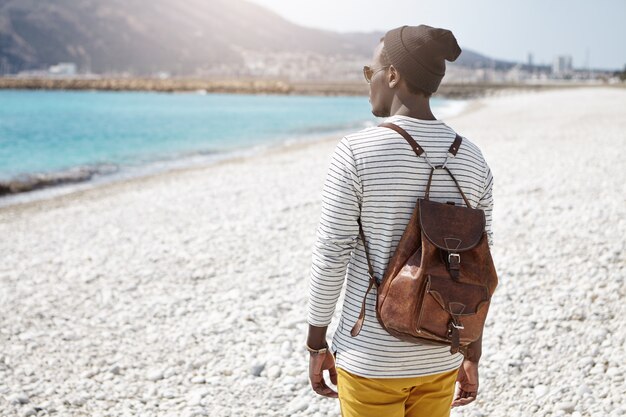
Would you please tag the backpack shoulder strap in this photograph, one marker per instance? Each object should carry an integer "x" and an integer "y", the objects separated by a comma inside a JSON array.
[
  {"x": 416, "y": 147},
  {"x": 356, "y": 329},
  {"x": 454, "y": 148}
]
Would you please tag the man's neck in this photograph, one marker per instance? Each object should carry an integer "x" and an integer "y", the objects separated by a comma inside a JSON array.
[{"x": 415, "y": 107}]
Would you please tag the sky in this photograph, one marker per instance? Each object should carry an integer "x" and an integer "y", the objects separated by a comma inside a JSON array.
[{"x": 592, "y": 32}]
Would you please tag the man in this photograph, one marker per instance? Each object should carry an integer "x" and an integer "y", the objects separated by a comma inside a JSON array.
[{"x": 375, "y": 176}]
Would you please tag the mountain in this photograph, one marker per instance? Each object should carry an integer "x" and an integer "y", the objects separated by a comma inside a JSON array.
[
  {"x": 141, "y": 36},
  {"x": 181, "y": 37}
]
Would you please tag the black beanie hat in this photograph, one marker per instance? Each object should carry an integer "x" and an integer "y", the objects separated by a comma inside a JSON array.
[{"x": 419, "y": 54}]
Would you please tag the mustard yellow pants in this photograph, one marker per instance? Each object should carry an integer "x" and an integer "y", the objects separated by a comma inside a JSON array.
[{"x": 424, "y": 396}]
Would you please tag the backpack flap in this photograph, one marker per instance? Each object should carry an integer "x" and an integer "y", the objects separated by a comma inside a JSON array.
[{"x": 451, "y": 228}]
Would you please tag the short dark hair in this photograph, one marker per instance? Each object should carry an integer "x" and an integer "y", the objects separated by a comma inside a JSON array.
[{"x": 384, "y": 59}]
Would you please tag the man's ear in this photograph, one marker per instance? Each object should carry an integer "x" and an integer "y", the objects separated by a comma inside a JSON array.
[{"x": 393, "y": 77}]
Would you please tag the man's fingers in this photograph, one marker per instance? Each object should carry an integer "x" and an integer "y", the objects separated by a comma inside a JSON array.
[
  {"x": 328, "y": 393},
  {"x": 319, "y": 385},
  {"x": 467, "y": 388},
  {"x": 468, "y": 393},
  {"x": 462, "y": 401},
  {"x": 316, "y": 380},
  {"x": 333, "y": 375},
  {"x": 322, "y": 389},
  {"x": 463, "y": 397}
]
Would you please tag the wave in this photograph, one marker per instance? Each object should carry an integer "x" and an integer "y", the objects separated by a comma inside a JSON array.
[
  {"x": 30, "y": 182},
  {"x": 30, "y": 187}
]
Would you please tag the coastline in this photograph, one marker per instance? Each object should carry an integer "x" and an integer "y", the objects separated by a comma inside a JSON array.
[
  {"x": 92, "y": 191},
  {"x": 42, "y": 186},
  {"x": 72, "y": 193}
]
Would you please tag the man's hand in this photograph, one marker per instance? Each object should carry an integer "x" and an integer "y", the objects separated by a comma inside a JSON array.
[
  {"x": 467, "y": 384},
  {"x": 317, "y": 364}
]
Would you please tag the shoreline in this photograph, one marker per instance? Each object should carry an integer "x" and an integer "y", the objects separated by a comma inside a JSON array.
[
  {"x": 96, "y": 190},
  {"x": 35, "y": 187},
  {"x": 96, "y": 175}
]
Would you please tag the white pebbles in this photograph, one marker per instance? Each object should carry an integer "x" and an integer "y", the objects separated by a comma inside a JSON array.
[{"x": 184, "y": 294}]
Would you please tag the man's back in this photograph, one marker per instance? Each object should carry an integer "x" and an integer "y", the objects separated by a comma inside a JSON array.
[{"x": 375, "y": 175}]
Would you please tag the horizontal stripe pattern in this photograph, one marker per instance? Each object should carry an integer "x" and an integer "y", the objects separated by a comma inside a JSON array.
[{"x": 374, "y": 174}]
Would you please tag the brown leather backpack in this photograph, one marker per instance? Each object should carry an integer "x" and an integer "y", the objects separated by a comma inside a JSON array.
[{"x": 438, "y": 284}]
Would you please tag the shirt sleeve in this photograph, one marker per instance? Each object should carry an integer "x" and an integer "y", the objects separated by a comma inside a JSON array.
[
  {"x": 336, "y": 236},
  {"x": 486, "y": 204}
]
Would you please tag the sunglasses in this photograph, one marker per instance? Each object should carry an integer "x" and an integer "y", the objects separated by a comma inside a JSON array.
[{"x": 368, "y": 72}]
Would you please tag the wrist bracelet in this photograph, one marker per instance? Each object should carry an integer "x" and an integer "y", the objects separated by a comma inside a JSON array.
[{"x": 316, "y": 351}]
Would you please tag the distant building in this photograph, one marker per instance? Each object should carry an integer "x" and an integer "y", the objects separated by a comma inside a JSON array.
[
  {"x": 516, "y": 74},
  {"x": 530, "y": 59},
  {"x": 562, "y": 66},
  {"x": 63, "y": 68}
]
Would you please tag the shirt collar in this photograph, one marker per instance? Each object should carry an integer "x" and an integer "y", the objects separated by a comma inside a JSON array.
[{"x": 398, "y": 117}]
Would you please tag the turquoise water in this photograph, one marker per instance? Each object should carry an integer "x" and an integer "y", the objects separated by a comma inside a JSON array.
[
  {"x": 45, "y": 131},
  {"x": 53, "y": 131}
]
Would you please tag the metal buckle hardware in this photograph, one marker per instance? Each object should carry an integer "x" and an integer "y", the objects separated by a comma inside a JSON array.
[
  {"x": 458, "y": 257},
  {"x": 458, "y": 326}
]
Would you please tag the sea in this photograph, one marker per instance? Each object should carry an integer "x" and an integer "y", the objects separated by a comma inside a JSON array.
[{"x": 55, "y": 142}]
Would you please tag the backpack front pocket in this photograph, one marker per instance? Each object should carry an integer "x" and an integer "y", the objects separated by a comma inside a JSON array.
[{"x": 448, "y": 302}]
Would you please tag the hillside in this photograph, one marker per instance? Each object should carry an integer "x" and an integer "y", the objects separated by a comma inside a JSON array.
[
  {"x": 191, "y": 37},
  {"x": 162, "y": 35}
]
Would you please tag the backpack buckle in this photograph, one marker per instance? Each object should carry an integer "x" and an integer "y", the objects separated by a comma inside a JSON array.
[
  {"x": 458, "y": 258},
  {"x": 457, "y": 326}
]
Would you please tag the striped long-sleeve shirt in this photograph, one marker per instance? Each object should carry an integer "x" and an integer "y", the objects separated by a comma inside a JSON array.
[{"x": 374, "y": 174}]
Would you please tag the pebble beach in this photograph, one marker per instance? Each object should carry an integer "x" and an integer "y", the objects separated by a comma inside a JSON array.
[{"x": 184, "y": 293}]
